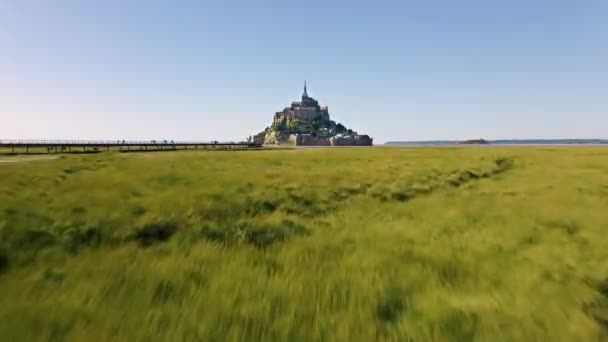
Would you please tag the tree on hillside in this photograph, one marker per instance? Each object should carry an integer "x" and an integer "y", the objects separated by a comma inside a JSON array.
[{"x": 278, "y": 127}]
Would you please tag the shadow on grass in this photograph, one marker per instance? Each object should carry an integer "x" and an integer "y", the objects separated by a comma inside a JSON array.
[
  {"x": 391, "y": 305},
  {"x": 154, "y": 233},
  {"x": 598, "y": 309},
  {"x": 3, "y": 260}
]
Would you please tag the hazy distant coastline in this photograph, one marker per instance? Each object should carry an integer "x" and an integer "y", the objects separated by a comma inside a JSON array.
[{"x": 504, "y": 142}]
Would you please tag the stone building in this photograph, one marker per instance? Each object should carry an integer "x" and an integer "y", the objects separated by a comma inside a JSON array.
[
  {"x": 306, "y": 110},
  {"x": 306, "y": 123}
]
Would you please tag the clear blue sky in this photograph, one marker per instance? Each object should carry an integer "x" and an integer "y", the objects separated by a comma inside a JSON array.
[{"x": 400, "y": 70}]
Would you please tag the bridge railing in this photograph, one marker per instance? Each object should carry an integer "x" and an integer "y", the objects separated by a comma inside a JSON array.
[{"x": 115, "y": 142}]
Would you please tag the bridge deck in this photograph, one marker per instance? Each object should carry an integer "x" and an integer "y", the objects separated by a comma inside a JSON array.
[{"x": 91, "y": 146}]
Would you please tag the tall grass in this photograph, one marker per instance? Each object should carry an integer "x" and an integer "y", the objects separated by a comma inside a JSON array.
[{"x": 321, "y": 244}]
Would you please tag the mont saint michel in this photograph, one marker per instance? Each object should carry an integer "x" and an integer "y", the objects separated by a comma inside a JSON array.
[{"x": 306, "y": 123}]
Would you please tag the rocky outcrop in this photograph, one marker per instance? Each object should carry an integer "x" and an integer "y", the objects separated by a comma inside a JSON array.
[
  {"x": 473, "y": 142},
  {"x": 356, "y": 140},
  {"x": 305, "y": 123}
]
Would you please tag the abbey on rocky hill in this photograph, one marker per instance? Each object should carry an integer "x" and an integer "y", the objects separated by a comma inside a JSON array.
[{"x": 305, "y": 123}]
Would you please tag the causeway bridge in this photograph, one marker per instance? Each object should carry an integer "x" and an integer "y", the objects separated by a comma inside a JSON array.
[{"x": 93, "y": 146}]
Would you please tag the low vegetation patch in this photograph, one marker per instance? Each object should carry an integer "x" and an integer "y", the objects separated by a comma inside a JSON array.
[
  {"x": 76, "y": 238},
  {"x": 34, "y": 239},
  {"x": 436, "y": 181},
  {"x": 257, "y": 235}
]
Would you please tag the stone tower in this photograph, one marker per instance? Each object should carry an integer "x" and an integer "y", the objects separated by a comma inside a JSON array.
[
  {"x": 305, "y": 94},
  {"x": 308, "y": 110}
]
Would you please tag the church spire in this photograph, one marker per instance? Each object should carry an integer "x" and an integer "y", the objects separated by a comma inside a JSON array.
[{"x": 305, "y": 93}]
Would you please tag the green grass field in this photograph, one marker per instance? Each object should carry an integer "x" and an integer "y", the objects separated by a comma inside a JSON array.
[{"x": 352, "y": 244}]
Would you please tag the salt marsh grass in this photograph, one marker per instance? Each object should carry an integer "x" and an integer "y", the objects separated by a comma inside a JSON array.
[{"x": 425, "y": 244}]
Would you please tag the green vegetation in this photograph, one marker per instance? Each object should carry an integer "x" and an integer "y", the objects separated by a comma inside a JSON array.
[
  {"x": 313, "y": 127},
  {"x": 361, "y": 244}
]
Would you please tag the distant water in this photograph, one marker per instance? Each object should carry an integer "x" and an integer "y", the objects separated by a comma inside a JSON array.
[{"x": 504, "y": 142}]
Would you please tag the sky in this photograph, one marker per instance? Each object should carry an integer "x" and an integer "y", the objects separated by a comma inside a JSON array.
[{"x": 219, "y": 70}]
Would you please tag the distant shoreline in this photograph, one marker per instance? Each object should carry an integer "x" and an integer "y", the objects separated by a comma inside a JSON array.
[
  {"x": 498, "y": 146},
  {"x": 506, "y": 142}
]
